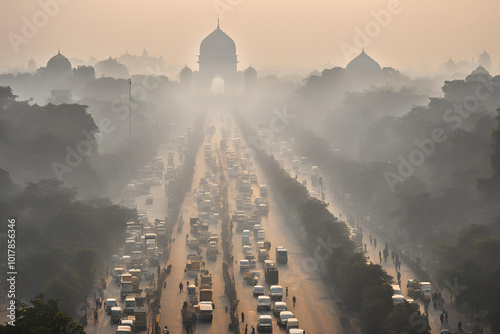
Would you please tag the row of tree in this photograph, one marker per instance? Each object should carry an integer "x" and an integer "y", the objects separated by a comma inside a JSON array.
[{"x": 364, "y": 287}]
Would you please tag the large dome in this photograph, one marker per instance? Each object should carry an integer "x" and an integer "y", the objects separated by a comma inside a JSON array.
[
  {"x": 218, "y": 46},
  {"x": 363, "y": 64},
  {"x": 59, "y": 64}
]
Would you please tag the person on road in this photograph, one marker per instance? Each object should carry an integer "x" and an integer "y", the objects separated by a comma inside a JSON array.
[
  {"x": 242, "y": 317},
  {"x": 294, "y": 300},
  {"x": 371, "y": 241},
  {"x": 375, "y": 242},
  {"x": 246, "y": 329},
  {"x": 181, "y": 286},
  {"x": 253, "y": 330},
  {"x": 286, "y": 292}
]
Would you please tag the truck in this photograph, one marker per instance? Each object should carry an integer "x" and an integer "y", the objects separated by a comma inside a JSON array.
[
  {"x": 141, "y": 318},
  {"x": 206, "y": 295},
  {"x": 426, "y": 289},
  {"x": 263, "y": 254},
  {"x": 206, "y": 311},
  {"x": 281, "y": 255},
  {"x": 128, "y": 287},
  {"x": 413, "y": 288},
  {"x": 193, "y": 264},
  {"x": 116, "y": 314},
  {"x": 272, "y": 275},
  {"x": 206, "y": 281},
  {"x": 188, "y": 312}
]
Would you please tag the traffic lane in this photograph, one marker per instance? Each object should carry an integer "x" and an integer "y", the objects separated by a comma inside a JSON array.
[
  {"x": 172, "y": 299},
  {"x": 315, "y": 309}
]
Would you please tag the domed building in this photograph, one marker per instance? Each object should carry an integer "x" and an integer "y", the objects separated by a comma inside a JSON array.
[
  {"x": 58, "y": 67},
  {"x": 32, "y": 65},
  {"x": 480, "y": 74},
  {"x": 485, "y": 60},
  {"x": 363, "y": 66},
  {"x": 217, "y": 64},
  {"x": 111, "y": 68}
]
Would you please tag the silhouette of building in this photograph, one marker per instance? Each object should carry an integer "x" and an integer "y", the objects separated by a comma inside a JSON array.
[
  {"x": 32, "y": 65},
  {"x": 480, "y": 74},
  {"x": 111, "y": 68},
  {"x": 186, "y": 77},
  {"x": 450, "y": 66},
  {"x": 217, "y": 63},
  {"x": 485, "y": 60},
  {"x": 250, "y": 80},
  {"x": 58, "y": 67},
  {"x": 363, "y": 66},
  {"x": 143, "y": 64}
]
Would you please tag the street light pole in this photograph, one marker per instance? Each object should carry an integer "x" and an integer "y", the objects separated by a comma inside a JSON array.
[{"x": 129, "y": 115}]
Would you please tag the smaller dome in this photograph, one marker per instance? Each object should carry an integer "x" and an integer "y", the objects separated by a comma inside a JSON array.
[
  {"x": 32, "y": 65},
  {"x": 363, "y": 64},
  {"x": 250, "y": 69},
  {"x": 479, "y": 74},
  {"x": 186, "y": 71}
]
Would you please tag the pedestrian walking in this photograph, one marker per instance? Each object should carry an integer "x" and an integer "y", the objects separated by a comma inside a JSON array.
[
  {"x": 242, "y": 317},
  {"x": 286, "y": 292},
  {"x": 246, "y": 329},
  {"x": 253, "y": 330},
  {"x": 195, "y": 319},
  {"x": 446, "y": 316},
  {"x": 181, "y": 286},
  {"x": 294, "y": 300},
  {"x": 187, "y": 284},
  {"x": 164, "y": 284}
]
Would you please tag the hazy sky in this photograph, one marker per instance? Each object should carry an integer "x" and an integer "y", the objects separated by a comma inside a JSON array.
[{"x": 285, "y": 33}]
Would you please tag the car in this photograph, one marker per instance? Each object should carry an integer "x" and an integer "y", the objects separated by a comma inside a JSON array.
[
  {"x": 295, "y": 331},
  {"x": 124, "y": 330},
  {"x": 263, "y": 303},
  {"x": 276, "y": 292},
  {"x": 258, "y": 290},
  {"x": 278, "y": 307},
  {"x": 284, "y": 316},
  {"x": 265, "y": 323},
  {"x": 292, "y": 323},
  {"x": 110, "y": 302}
]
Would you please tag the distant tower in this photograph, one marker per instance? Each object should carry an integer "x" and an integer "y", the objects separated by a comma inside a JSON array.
[
  {"x": 363, "y": 66},
  {"x": 217, "y": 61},
  {"x": 450, "y": 66},
  {"x": 32, "y": 65},
  {"x": 485, "y": 60},
  {"x": 186, "y": 77},
  {"x": 250, "y": 80}
]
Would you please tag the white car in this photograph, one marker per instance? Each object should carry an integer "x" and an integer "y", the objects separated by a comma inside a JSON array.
[
  {"x": 263, "y": 303},
  {"x": 276, "y": 292},
  {"x": 284, "y": 316},
  {"x": 258, "y": 290},
  {"x": 265, "y": 323}
]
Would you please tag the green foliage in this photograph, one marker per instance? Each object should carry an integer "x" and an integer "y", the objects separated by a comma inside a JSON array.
[
  {"x": 41, "y": 317},
  {"x": 406, "y": 318}
]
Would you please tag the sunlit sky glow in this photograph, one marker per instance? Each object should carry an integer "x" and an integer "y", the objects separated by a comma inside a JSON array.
[{"x": 278, "y": 33}]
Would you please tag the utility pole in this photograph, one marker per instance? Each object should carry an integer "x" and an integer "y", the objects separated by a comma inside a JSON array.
[{"x": 129, "y": 115}]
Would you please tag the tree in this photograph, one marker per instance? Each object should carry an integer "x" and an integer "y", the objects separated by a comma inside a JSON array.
[{"x": 41, "y": 317}]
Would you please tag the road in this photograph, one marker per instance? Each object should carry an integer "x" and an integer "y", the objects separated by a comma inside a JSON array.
[
  {"x": 172, "y": 298},
  {"x": 315, "y": 309}
]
